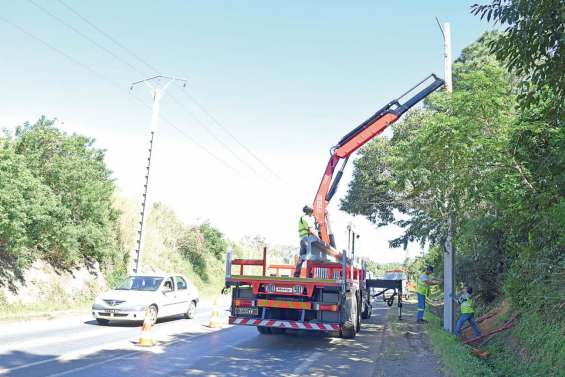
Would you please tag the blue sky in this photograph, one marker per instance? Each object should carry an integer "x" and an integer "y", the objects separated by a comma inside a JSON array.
[{"x": 288, "y": 79}]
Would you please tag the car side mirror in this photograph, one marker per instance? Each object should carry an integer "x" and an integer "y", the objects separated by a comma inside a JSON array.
[{"x": 167, "y": 290}]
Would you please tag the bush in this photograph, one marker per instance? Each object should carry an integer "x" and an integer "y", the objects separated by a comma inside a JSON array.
[{"x": 55, "y": 198}]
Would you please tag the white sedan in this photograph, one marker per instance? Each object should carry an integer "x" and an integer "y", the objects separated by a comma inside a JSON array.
[{"x": 156, "y": 296}]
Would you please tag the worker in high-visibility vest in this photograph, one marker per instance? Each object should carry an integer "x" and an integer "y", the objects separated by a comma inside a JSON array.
[
  {"x": 307, "y": 232},
  {"x": 423, "y": 285},
  {"x": 467, "y": 312}
]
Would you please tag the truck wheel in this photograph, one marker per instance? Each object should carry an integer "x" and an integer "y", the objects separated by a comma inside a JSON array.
[
  {"x": 349, "y": 314},
  {"x": 263, "y": 330},
  {"x": 366, "y": 314},
  {"x": 359, "y": 311}
]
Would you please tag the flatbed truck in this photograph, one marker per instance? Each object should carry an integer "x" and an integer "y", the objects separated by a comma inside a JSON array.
[{"x": 331, "y": 293}]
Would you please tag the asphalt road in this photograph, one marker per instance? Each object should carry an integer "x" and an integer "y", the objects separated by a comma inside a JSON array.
[{"x": 79, "y": 347}]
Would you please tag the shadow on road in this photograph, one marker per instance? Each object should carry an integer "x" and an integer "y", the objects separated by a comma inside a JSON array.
[{"x": 384, "y": 347}]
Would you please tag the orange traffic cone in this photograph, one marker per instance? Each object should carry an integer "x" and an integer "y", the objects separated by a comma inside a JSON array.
[
  {"x": 215, "y": 320},
  {"x": 147, "y": 339}
]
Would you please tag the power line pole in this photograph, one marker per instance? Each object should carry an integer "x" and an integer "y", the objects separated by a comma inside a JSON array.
[
  {"x": 449, "y": 252},
  {"x": 158, "y": 85}
]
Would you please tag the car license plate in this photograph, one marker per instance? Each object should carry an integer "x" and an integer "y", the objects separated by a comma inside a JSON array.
[
  {"x": 110, "y": 310},
  {"x": 283, "y": 289},
  {"x": 247, "y": 311}
]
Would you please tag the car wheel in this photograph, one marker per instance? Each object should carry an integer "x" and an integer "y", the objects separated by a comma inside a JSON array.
[
  {"x": 152, "y": 314},
  {"x": 102, "y": 321},
  {"x": 191, "y": 310}
]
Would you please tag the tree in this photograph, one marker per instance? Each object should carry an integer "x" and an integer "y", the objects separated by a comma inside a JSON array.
[
  {"x": 66, "y": 194},
  {"x": 214, "y": 240},
  {"x": 448, "y": 161},
  {"x": 532, "y": 42},
  {"x": 26, "y": 208}
]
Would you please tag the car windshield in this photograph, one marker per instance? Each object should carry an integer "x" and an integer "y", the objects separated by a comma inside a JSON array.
[{"x": 140, "y": 283}]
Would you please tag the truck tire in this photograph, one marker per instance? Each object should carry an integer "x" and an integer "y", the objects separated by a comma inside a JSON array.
[
  {"x": 349, "y": 315},
  {"x": 263, "y": 330},
  {"x": 367, "y": 311},
  {"x": 277, "y": 330},
  {"x": 359, "y": 311}
]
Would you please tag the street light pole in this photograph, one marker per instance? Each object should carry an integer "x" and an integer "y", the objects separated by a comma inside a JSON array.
[
  {"x": 449, "y": 252},
  {"x": 158, "y": 85}
]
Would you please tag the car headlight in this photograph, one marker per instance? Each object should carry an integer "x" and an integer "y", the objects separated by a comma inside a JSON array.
[{"x": 99, "y": 301}]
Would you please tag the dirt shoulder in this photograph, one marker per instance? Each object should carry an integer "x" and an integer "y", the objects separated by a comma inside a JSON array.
[{"x": 403, "y": 348}]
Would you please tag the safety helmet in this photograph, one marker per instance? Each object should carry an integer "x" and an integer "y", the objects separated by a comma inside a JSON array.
[{"x": 307, "y": 209}]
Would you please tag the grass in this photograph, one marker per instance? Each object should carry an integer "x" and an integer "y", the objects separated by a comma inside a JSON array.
[
  {"x": 38, "y": 310},
  {"x": 456, "y": 357},
  {"x": 534, "y": 347},
  {"x": 53, "y": 302}
]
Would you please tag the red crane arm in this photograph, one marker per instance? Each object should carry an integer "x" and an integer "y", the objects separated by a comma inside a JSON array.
[{"x": 354, "y": 140}]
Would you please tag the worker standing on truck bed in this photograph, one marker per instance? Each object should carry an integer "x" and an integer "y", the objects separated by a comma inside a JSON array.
[
  {"x": 307, "y": 233},
  {"x": 422, "y": 289},
  {"x": 467, "y": 312}
]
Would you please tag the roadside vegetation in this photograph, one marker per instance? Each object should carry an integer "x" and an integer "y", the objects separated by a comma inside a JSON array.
[
  {"x": 489, "y": 158},
  {"x": 59, "y": 205}
]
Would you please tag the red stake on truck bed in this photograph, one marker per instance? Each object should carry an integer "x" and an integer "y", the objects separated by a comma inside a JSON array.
[{"x": 329, "y": 296}]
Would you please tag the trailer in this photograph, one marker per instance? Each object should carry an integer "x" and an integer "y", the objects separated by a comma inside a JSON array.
[{"x": 330, "y": 293}]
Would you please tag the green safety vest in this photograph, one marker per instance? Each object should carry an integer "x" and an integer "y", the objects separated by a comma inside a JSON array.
[
  {"x": 303, "y": 228},
  {"x": 467, "y": 306},
  {"x": 422, "y": 288}
]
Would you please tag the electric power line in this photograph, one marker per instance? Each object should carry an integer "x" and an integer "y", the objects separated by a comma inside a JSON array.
[
  {"x": 155, "y": 70},
  {"x": 220, "y": 125},
  {"x": 142, "y": 61},
  {"x": 115, "y": 41},
  {"x": 209, "y": 131},
  {"x": 77, "y": 31},
  {"x": 111, "y": 83}
]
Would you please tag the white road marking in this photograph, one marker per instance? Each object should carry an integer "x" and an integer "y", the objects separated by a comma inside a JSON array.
[
  {"x": 32, "y": 326},
  {"x": 119, "y": 345},
  {"x": 71, "y": 355},
  {"x": 91, "y": 365},
  {"x": 303, "y": 366},
  {"x": 38, "y": 342}
]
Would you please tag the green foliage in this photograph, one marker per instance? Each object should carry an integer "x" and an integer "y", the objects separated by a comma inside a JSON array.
[
  {"x": 173, "y": 246},
  {"x": 25, "y": 207},
  {"x": 379, "y": 269},
  {"x": 532, "y": 42},
  {"x": 493, "y": 162},
  {"x": 213, "y": 240},
  {"x": 532, "y": 348},
  {"x": 55, "y": 199},
  {"x": 456, "y": 357}
]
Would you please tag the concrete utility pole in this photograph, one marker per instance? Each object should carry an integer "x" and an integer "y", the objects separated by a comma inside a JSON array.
[
  {"x": 449, "y": 252},
  {"x": 158, "y": 85}
]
